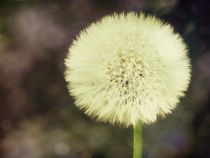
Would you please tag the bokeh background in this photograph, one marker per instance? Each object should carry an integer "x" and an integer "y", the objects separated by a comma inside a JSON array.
[{"x": 38, "y": 118}]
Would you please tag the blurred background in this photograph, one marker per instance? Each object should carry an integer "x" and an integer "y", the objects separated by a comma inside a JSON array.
[{"x": 38, "y": 118}]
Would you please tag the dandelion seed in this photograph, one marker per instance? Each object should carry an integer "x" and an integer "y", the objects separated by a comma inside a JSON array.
[{"x": 127, "y": 68}]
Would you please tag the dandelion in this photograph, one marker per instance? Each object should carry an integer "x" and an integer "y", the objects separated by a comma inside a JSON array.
[{"x": 127, "y": 68}]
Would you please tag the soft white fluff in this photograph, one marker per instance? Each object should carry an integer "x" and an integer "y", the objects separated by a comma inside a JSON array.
[{"x": 127, "y": 68}]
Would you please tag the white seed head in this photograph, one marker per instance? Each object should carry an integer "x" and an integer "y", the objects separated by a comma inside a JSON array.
[{"x": 127, "y": 68}]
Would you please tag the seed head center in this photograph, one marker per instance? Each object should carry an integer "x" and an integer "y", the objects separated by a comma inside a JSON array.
[{"x": 125, "y": 70}]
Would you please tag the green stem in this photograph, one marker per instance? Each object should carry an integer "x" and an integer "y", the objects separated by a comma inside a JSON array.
[{"x": 137, "y": 141}]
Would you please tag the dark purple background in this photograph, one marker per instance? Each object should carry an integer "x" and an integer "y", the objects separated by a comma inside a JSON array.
[{"x": 37, "y": 116}]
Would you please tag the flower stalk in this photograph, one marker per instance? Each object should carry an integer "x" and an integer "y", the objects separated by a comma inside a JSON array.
[{"x": 137, "y": 141}]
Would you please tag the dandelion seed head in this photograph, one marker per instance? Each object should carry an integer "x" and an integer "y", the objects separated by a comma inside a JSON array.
[{"x": 127, "y": 68}]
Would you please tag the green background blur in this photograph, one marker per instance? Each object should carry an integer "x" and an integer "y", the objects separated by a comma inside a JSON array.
[{"x": 37, "y": 116}]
